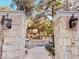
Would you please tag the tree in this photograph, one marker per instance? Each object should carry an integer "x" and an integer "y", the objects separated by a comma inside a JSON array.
[
  {"x": 25, "y": 5},
  {"x": 43, "y": 25},
  {"x": 54, "y": 5}
]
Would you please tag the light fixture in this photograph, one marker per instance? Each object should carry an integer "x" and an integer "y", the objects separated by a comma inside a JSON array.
[
  {"x": 6, "y": 21},
  {"x": 73, "y": 21}
]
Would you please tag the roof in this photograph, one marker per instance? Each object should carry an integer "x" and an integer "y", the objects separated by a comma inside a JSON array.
[
  {"x": 8, "y": 3},
  {"x": 65, "y": 13}
]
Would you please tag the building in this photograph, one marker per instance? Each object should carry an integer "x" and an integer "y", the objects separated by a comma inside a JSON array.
[
  {"x": 66, "y": 35},
  {"x": 12, "y": 35}
]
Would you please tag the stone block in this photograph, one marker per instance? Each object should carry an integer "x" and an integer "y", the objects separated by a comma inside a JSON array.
[
  {"x": 12, "y": 43},
  {"x": 14, "y": 38},
  {"x": 11, "y": 55},
  {"x": 14, "y": 31}
]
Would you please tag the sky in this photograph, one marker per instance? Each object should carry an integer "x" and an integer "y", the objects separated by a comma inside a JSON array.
[
  {"x": 7, "y": 3},
  {"x": 37, "y": 2}
]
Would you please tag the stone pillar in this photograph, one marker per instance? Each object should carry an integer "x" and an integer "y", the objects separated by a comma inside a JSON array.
[
  {"x": 66, "y": 39},
  {"x": 14, "y": 38}
]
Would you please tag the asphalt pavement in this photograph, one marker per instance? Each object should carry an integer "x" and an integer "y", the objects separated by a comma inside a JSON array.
[{"x": 38, "y": 53}]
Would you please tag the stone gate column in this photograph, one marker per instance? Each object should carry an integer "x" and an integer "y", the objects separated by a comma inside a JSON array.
[{"x": 14, "y": 38}]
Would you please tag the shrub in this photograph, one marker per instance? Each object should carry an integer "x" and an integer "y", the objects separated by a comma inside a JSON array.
[{"x": 50, "y": 49}]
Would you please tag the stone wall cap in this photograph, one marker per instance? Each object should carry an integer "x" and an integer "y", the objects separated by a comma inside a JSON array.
[
  {"x": 17, "y": 11},
  {"x": 65, "y": 13}
]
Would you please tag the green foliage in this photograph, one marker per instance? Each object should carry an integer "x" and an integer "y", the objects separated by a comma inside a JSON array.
[
  {"x": 28, "y": 6},
  {"x": 25, "y": 5},
  {"x": 44, "y": 26},
  {"x": 58, "y": 3}
]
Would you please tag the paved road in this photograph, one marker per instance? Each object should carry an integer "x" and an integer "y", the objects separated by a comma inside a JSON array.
[
  {"x": 38, "y": 43},
  {"x": 38, "y": 53}
]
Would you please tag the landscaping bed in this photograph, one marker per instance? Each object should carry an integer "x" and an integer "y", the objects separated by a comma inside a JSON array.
[{"x": 50, "y": 49}]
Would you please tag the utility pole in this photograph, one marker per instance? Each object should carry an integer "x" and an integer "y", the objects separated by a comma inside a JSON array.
[{"x": 67, "y": 5}]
